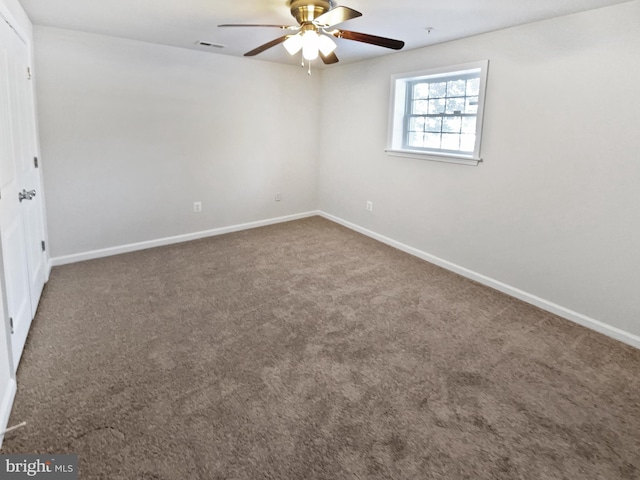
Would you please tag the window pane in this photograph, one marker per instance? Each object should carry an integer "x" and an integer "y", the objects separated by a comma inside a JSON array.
[
  {"x": 437, "y": 90},
  {"x": 433, "y": 124},
  {"x": 436, "y": 106},
  {"x": 469, "y": 125},
  {"x": 467, "y": 143},
  {"x": 451, "y": 124},
  {"x": 450, "y": 141},
  {"x": 456, "y": 88},
  {"x": 420, "y": 107},
  {"x": 473, "y": 87},
  {"x": 421, "y": 90},
  {"x": 472, "y": 105},
  {"x": 455, "y": 105},
  {"x": 416, "y": 124},
  {"x": 416, "y": 139},
  {"x": 436, "y": 111},
  {"x": 432, "y": 140}
]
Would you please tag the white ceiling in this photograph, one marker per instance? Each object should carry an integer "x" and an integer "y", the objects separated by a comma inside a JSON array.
[{"x": 182, "y": 23}]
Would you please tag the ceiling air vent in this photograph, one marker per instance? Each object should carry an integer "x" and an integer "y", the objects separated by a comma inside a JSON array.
[{"x": 202, "y": 43}]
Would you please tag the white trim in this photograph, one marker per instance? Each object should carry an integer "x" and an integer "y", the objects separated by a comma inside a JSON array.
[
  {"x": 5, "y": 406},
  {"x": 132, "y": 247},
  {"x": 398, "y": 107},
  {"x": 436, "y": 157},
  {"x": 49, "y": 265},
  {"x": 8, "y": 16},
  {"x": 580, "y": 319}
]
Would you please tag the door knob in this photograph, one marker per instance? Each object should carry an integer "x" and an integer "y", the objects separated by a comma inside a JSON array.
[{"x": 24, "y": 195}]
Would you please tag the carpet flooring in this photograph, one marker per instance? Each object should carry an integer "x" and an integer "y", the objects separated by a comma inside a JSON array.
[{"x": 307, "y": 351}]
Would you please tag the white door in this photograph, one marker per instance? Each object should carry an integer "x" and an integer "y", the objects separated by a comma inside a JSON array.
[
  {"x": 21, "y": 220},
  {"x": 29, "y": 177}
]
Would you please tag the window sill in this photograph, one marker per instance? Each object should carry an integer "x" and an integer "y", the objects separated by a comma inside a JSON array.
[{"x": 436, "y": 157}]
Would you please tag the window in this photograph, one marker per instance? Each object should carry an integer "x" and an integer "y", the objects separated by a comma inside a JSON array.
[{"x": 437, "y": 114}]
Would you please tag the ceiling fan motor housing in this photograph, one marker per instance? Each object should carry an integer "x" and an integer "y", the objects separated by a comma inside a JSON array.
[{"x": 306, "y": 11}]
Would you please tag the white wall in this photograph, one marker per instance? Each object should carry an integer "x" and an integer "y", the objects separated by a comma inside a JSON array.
[
  {"x": 554, "y": 210},
  {"x": 133, "y": 133}
]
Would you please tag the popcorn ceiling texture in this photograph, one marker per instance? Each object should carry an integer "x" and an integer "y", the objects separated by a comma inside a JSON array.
[{"x": 307, "y": 351}]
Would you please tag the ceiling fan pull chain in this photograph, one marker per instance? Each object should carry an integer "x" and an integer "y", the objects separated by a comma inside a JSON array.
[{"x": 309, "y": 72}]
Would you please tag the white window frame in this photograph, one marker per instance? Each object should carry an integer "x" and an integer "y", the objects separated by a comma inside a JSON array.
[{"x": 399, "y": 105}]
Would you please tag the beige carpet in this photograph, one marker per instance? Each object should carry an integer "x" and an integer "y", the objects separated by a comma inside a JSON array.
[{"x": 307, "y": 351}]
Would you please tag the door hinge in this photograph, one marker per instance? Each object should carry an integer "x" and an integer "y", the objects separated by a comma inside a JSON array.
[
  {"x": 28, "y": 73},
  {"x": 44, "y": 246},
  {"x": 35, "y": 162},
  {"x": 11, "y": 323}
]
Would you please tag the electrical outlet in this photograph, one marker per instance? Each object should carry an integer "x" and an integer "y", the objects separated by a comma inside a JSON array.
[
  {"x": 278, "y": 197},
  {"x": 369, "y": 206},
  {"x": 197, "y": 207}
]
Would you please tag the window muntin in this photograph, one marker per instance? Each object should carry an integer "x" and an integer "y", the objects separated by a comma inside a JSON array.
[{"x": 439, "y": 112}]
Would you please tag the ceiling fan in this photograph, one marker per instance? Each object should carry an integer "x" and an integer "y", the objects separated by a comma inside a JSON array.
[{"x": 313, "y": 34}]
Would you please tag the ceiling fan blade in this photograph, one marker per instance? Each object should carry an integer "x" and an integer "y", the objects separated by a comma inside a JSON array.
[
  {"x": 371, "y": 39},
  {"x": 336, "y": 15},
  {"x": 266, "y": 46},
  {"x": 329, "y": 59},
  {"x": 282, "y": 27}
]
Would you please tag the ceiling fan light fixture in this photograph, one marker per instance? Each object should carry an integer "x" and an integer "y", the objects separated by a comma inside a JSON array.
[
  {"x": 326, "y": 45},
  {"x": 310, "y": 45},
  {"x": 293, "y": 44}
]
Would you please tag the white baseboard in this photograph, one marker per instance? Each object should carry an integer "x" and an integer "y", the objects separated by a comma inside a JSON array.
[
  {"x": 585, "y": 321},
  {"x": 6, "y": 403},
  {"x": 554, "y": 308},
  {"x": 132, "y": 247}
]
